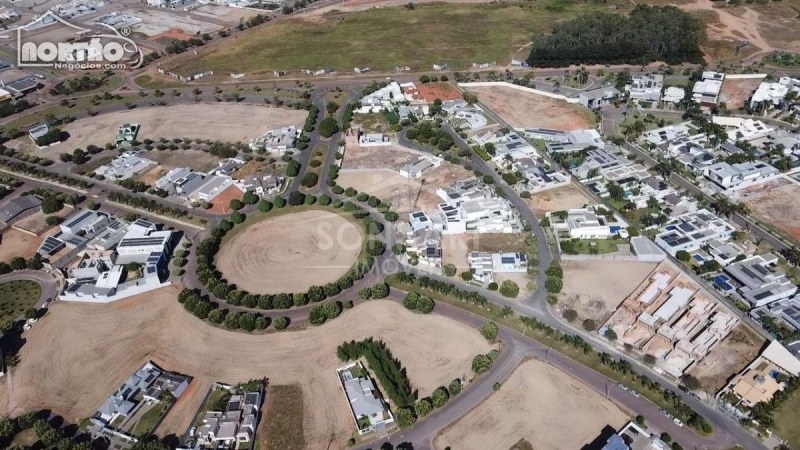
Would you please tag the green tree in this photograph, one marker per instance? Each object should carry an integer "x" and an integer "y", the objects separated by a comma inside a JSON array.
[
  {"x": 454, "y": 388},
  {"x": 423, "y": 407},
  {"x": 237, "y": 217},
  {"x": 405, "y": 417},
  {"x": 331, "y": 310},
  {"x": 481, "y": 364},
  {"x": 489, "y": 331},
  {"x": 398, "y": 249},
  {"x": 264, "y": 206},
  {"x": 309, "y": 180},
  {"x": 570, "y": 315},
  {"x": 553, "y": 285},
  {"x": 7, "y": 428},
  {"x": 440, "y": 397},
  {"x": 509, "y": 289},
  {"x": 328, "y": 127},
  {"x": 280, "y": 323},
  {"x": 449, "y": 270},
  {"x": 682, "y": 255},
  {"x": 410, "y": 300},
  {"x": 250, "y": 198},
  {"x": 425, "y": 305},
  {"x": 236, "y": 204}
]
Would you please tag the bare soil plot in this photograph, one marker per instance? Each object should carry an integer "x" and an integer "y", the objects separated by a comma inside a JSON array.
[
  {"x": 777, "y": 205},
  {"x": 16, "y": 243},
  {"x": 151, "y": 176},
  {"x": 278, "y": 428},
  {"x": 728, "y": 358},
  {"x": 558, "y": 199},
  {"x": 230, "y": 15},
  {"x": 80, "y": 353},
  {"x": 291, "y": 253},
  {"x": 596, "y": 288},
  {"x": 37, "y": 222},
  {"x": 221, "y": 203},
  {"x": 360, "y": 5},
  {"x": 156, "y": 22},
  {"x": 196, "y": 160},
  {"x": 224, "y": 122},
  {"x": 253, "y": 168},
  {"x": 534, "y": 404},
  {"x": 392, "y": 157},
  {"x": 736, "y": 92},
  {"x": 442, "y": 91},
  {"x": 454, "y": 250},
  {"x": 523, "y": 109},
  {"x": 170, "y": 34}
]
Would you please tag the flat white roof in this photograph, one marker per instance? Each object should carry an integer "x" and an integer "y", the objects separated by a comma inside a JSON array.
[{"x": 782, "y": 357}]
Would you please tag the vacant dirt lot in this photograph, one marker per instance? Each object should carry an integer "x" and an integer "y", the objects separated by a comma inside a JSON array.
[
  {"x": 196, "y": 160},
  {"x": 221, "y": 203},
  {"x": 534, "y": 404},
  {"x": 735, "y": 93},
  {"x": 291, "y": 253},
  {"x": 558, "y": 199},
  {"x": 230, "y": 15},
  {"x": 523, "y": 109},
  {"x": 728, "y": 358},
  {"x": 442, "y": 91},
  {"x": 360, "y": 5},
  {"x": 37, "y": 222},
  {"x": 391, "y": 157},
  {"x": 16, "y": 243},
  {"x": 224, "y": 122},
  {"x": 157, "y": 22},
  {"x": 456, "y": 246},
  {"x": 595, "y": 288},
  {"x": 80, "y": 353},
  {"x": 777, "y": 205}
]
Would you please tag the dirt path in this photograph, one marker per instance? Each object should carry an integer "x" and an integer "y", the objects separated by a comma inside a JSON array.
[
  {"x": 78, "y": 354},
  {"x": 741, "y": 28}
]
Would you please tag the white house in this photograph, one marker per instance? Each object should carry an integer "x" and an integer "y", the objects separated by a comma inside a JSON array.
[
  {"x": 748, "y": 130},
  {"x": 367, "y": 407},
  {"x": 730, "y": 178},
  {"x": 646, "y": 87},
  {"x": 769, "y": 94},
  {"x": 373, "y": 140},
  {"x": 484, "y": 265},
  {"x": 674, "y": 95},
  {"x": 693, "y": 230},
  {"x": 124, "y": 166},
  {"x": 584, "y": 223},
  {"x": 757, "y": 282},
  {"x": 706, "y": 91}
]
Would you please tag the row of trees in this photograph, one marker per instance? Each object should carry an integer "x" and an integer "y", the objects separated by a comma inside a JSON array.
[
  {"x": 449, "y": 289},
  {"x": 387, "y": 370},
  {"x": 415, "y": 302},
  {"x": 36, "y": 172},
  {"x": 204, "y": 309},
  {"x": 218, "y": 286},
  {"x": 147, "y": 204},
  {"x": 647, "y": 34},
  {"x": 408, "y": 415}
]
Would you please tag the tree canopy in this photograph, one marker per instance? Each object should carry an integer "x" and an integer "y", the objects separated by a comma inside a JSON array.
[{"x": 648, "y": 34}]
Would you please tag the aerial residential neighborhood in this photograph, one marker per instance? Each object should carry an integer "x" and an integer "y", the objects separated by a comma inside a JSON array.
[{"x": 288, "y": 225}]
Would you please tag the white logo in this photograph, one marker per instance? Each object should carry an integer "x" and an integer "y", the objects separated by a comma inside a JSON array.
[{"x": 89, "y": 50}]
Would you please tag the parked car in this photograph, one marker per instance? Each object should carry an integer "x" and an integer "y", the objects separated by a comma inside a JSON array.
[
  {"x": 677, "y": 422},
  {"x": 623, "y": 387},
  {"x": 635, "y": 394},
  {"x": 666, "y": 413},
  {"x": 27, "y": 326}
]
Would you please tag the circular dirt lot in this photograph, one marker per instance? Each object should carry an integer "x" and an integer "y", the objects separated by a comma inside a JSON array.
[{"x": 291, "y": 253}]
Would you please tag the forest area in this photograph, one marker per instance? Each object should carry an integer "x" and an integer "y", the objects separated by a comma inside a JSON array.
[{"x": 648, "y": 34}]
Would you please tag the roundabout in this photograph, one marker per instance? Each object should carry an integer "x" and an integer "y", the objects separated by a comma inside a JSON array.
[{"x": 291, "y": 252}]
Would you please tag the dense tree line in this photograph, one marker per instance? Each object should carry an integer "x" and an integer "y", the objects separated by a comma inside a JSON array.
[
  {"x": 387, "y": 369},
  {"x": 13, "y": 106},
  {"x": 648, "y": 34},
  {"x": 429, "y": 133},
  {"x": 37, "y": 172},
  {"x": 146, "y": 204},
  {"x": 448, "y": 289},
  {"x": 204, "y": 309},
  {"x": 218, "y": 286}
]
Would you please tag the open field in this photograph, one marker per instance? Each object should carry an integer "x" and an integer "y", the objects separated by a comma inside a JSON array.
[
  {"x": 221, "y": 203},
  {"x": 534, "y": 404},
  {"x": 786, "y": 419},
  {"x": 523, "y": 109},
  {"x": 230, "y": 15},
  {"x": 280, "y": 428},
  {"x": 728, "y": 358},
  {"x": 777, "y": 205},
  {"x": 382, "y": 39},
  {"x": 291, "y": 252},
  {"x": 360, "y": 5},
  {"x": 224, "y": 122},
  {"x": 155, "y": 22},
  {"x": 196, "y": 160},
  {"x": 735, "y": 93},
  {"x": 558, "y": 199},
  {"x": 80, "y": 353},
  {"x": 596, "y": 288},
  {"x": 442, "y": 91},
  {"x": 16, "y": 243},
  {"x": 16, "y": 296}
]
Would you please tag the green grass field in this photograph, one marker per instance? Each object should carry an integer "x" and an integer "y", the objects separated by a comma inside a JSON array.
[
  {"x": 384, "y": 38},
  {"x": 17, "y": 296},
  {"x": 786, "y": 419}
]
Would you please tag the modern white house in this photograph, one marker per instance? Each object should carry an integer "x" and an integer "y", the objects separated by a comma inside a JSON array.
[
  {"x": 693, "y": 230},
  {"x": 276, "y": 142},
  {"x": 584, "y": 223},
  {"x": 213, "y": 186},
  {"x": 746, "y": 129},
  {"x": 646, "y": 87},
  {"x": 706, "y": 91},
  {"x": 124, "y": 166},
  {"x": 730, "y": 178},
  {"x": 484, "y": 265},
  {"x": 236, "y": 425},
  {"x": 769, "y": 94},
  {"x": 266, "y": 185},
  {"x": 367, "y": 407},
  {"x": 598, "y": 97},
  {"x": 757, "y": 282},
  {"x": 673, "y": 95}
]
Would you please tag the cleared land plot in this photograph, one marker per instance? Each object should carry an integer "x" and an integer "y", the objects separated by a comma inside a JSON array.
[
  {"x": 382, "y": 39},
  {"x": 558, "y": 199},
  {"x": 37, "y": 222},
  {"x": 157, "y": 22},
  {"x": 291, "y": 252},
  {"x": 534, "y": 404},
  {"x": 224, "y": 122},
  {"x": 16, "y": 296},
  {"x": 360, "y": 5},
  {"x": 777, "y": 205},
  {"x": 230, "y": 15},
  {"x": 728, "y": 358},
  {"x": 81, "y": 353},
  {"x": 442, "y": 91},
  {"x": 196, "y": 160},
  {"x": 221, "y": 203},
  {"x": 280, "y": 428},
  {"x": 456, "y": 246},
  {"x": 596, "y": 288},
  {"x": 735, "y": 93},
  {"x": 523, "y": 109},
  {"x": 16, "y": 243}
]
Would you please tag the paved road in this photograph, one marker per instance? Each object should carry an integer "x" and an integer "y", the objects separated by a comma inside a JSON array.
[{"x": 516, "y": 348}]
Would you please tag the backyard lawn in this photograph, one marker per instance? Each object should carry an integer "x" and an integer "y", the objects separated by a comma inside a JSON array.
[
  {"x": 786, "y": 419},
  {"x": 150, "y": 418},
  {"x": 588, "y": 246},
  {"x": 17, "y": 296}
]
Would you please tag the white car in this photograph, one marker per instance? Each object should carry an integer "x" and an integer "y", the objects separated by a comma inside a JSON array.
[
  {"x": 677, "y": 422},
  {"x": 634, "y": 393},
  {"x": 623, "y": 387},
  {"x": 27, "y": 326}
]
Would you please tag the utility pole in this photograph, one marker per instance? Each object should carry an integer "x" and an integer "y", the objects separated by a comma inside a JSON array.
[{"x": 547, "y": 356}]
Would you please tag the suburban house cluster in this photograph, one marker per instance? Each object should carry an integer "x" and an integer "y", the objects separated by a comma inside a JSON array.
[{"x": 670, "y": 318}]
